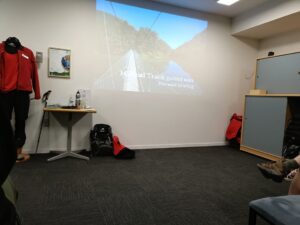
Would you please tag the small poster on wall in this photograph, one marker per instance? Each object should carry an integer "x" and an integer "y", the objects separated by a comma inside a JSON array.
[{"x": 59, "y": 62}]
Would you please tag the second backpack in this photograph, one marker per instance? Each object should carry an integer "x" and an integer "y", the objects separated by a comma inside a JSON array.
[{"x": 101, "y": 140}]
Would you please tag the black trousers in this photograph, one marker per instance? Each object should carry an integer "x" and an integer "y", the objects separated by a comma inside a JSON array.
[
  {"x": 17, "y": 102},
  {"x": 8, "y": 154}
]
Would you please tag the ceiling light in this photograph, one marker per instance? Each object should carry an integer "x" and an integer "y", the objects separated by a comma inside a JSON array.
[{"x": 227, "y": 2}]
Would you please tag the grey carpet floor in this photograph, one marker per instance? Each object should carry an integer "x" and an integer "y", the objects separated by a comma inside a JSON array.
[{"x": 184, "y": 186}]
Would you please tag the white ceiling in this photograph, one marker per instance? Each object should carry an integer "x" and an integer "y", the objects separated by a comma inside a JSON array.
[
  {"x": 242, "y": 8},
  {"x": 275, "y": 27},
  {"x": 212, "y": 6},
  {"x": 285, "y": 22}
]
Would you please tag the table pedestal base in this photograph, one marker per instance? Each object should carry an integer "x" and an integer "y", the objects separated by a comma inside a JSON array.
[{"x": 67, "y": 154}]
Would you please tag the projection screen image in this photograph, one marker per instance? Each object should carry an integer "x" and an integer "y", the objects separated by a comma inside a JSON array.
[{"x": 148, "y": 50}]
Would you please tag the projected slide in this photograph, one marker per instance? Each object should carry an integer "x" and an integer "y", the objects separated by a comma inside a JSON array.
[{"x": 148, "y": 50}]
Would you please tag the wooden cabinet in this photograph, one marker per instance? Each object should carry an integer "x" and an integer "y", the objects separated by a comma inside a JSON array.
[
  {"x": 279, "y": 74},
  {"x": 264, "y": 125},
  {"x": 267, "y": 116}
]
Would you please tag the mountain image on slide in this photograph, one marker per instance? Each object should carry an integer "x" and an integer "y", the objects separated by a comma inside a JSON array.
[
  {"x": 140, "y": 60},
  {"x": 189, "y": 55}
]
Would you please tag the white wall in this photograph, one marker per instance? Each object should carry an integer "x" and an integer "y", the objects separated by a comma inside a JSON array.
[
  {"x": 141, "y": 120},
  {"x": 280, "y": 44},
  {"x": 267, "y": 13}
]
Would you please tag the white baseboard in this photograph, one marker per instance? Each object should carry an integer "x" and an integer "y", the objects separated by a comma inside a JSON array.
[
  {"x": 63, "y": 149},
  {"x": 141, "y": 147},
  {"x": 186, "y": 145}
]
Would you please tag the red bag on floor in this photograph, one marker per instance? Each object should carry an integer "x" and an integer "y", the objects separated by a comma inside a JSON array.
[
  {"x": 234, "y": 128},
  {"x": 120, "y": 151},
  {"x": 118, "y": 147}
]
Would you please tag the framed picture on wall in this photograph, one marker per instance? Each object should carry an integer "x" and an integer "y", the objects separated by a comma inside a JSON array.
[{"x": 59, "y": 64}]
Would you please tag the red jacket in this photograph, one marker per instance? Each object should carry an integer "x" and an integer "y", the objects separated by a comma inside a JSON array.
[
  {"x": 118, "y": 147},
  {"x": 234, "y": 127},
  {"x": 27, "y": 77}
]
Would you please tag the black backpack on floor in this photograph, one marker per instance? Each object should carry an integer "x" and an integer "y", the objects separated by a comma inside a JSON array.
[{"x": 101, "y": 140}]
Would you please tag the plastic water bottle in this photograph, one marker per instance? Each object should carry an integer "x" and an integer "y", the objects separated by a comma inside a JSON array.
[
  {"x": 77, "y": 99},
  {"x": 71, "y": 101},
  {"x": 83, "y": 98}
]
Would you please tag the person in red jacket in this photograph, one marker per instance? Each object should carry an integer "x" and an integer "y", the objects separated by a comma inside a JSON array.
[{"x": 18, "y": 78}]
